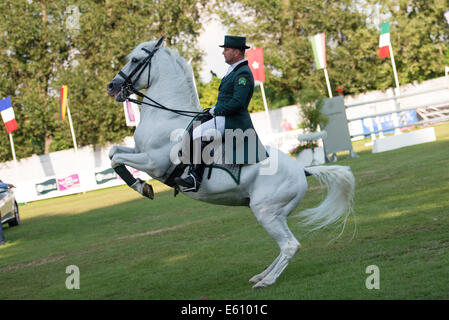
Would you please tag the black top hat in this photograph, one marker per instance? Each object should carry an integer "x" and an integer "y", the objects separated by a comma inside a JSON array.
[{"x": 234, "y": 42}]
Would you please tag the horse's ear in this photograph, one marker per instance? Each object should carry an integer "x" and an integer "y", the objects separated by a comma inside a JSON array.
[{"x": 159, "y": 42}]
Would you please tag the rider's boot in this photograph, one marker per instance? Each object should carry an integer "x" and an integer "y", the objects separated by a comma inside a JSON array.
[{"x": 193, "y": 180}]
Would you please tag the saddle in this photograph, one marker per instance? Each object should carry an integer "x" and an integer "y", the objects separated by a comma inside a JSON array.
[{"x": 233, "y": 170}]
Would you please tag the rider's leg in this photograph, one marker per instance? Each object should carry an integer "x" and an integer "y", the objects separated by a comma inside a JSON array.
[
  {"x": 193, "y": 181},
  {"x": 217, "y": 123}
]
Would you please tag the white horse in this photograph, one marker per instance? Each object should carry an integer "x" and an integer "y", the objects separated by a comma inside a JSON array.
[{"x": 271, "y": 195}]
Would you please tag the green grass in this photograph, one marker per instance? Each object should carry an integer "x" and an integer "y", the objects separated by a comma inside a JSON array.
[{"x": 128, "y": 247}]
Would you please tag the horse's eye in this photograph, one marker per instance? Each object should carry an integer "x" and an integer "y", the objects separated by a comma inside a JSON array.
[{"x": 134, "y": 60}]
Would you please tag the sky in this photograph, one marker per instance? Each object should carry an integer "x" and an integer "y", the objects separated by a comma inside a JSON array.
[{"x": 209, "y": 41}]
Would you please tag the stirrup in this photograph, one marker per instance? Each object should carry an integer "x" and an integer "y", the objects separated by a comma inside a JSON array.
[{"x": 187, "y": 188}]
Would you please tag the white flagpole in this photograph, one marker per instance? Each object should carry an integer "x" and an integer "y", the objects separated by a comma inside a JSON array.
[
  {"x": 71, "y": 126},
  {"x": 265, "y": 105},
  {"x": 12, "y": 147},
  {"x": 398, "y": 91},
  {"x": 394, "y": 69},
  {"x": 328, "y": 83},
  {"x": 193, "y": 77}
]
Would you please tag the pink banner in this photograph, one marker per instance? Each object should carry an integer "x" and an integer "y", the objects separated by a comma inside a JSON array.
[
  {"x": 129, "y": 107},
  {"x": 69, "y": 182}
]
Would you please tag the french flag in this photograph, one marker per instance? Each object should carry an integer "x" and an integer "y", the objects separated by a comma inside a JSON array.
[{"x": 8, "y": 114}]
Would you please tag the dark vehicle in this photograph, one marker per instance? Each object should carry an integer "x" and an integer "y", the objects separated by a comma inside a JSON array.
[{"x": 9, "y": 210}]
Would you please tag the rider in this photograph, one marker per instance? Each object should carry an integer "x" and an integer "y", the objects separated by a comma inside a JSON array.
[{"x": 230, "y": 111}]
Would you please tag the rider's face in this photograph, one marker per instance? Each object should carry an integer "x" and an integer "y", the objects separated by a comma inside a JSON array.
[{"x": 231, "y": 55}]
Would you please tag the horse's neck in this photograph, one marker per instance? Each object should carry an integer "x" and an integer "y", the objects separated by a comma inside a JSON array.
[
  {"x": 159, "y": 130},
  {"x": 174, "y": 86},
  {"x": 174, "y": 91},
  {"x": 156, "y": 117}
]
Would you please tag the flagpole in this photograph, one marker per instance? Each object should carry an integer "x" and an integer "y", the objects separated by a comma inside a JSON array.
[
  {"x": 12, "y": 147},
  {"x": 265, "y": 105},
  {"x": 394, "y": 69},
  {"x": 398, "y": 90},
  {"x": 71, "y": 126},
  {"x": 193, "y": 77},
  {"x": 328, "y": 83}
]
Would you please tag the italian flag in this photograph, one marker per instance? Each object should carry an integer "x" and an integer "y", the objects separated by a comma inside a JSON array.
[
  {"x": 319, "y": 50},
  {"x": 63, "y": 110},
  {"x": 384, "y": 40}
]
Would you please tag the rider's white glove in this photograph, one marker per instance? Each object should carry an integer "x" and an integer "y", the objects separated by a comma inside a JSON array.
[{"x": 211, "y": 110}]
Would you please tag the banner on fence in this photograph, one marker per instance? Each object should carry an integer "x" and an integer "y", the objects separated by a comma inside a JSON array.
[
  {"x": 45, "y": 187},
  {"x": 387, "y": 122},
  {"x": 105, "y": 176},
  {"x": 66, "y": 183}
]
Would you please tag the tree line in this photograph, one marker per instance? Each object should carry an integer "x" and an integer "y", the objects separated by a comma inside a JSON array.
[{"x": 83, "y": 43}]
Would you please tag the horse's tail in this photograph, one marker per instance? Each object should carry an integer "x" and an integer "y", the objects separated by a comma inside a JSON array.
[{"x": 340, "y": 184}]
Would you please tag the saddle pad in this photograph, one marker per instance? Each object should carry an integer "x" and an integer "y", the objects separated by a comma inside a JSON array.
[{"x": 233, "y": 170}]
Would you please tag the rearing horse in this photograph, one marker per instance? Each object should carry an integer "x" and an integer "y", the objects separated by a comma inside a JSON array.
[{"x": 272, "y": 188}]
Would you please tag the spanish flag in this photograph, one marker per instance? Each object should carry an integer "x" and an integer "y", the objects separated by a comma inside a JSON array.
[{"x": 63, "y": 110}]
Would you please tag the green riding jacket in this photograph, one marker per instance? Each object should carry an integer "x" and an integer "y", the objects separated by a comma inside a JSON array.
[{"x": 234, "y": 94}]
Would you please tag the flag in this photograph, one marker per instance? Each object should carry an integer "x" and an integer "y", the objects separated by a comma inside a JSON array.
[
  {"x": 8, "y": 114},
  {"x": 255, "y": 62},
  {"x": 318, "y": 42},
  {"x": 384, "y": 40},
  {"x": 63, "y": 110},
  {"x": 446, "y": 14}
]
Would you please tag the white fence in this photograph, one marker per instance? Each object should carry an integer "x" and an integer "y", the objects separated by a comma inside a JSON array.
[
  {"x": 67, "y": 172},
  {"x": 62, "y": 173},
  {"x": 377, "y": 112}
]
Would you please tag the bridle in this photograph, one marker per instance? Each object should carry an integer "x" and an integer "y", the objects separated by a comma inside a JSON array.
[{"x": 128, "y": 85}]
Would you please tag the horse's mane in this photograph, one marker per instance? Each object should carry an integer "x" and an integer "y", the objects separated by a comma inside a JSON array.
[{"x": 187, "y": 71}]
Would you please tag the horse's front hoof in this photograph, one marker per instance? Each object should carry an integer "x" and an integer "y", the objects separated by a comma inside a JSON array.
[{"x": 147, "y": 191}]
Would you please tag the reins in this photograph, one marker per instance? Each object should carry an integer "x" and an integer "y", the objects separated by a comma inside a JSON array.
[
  {"x": 157, "y": 105},
  {"x": 128, "y": 85}
]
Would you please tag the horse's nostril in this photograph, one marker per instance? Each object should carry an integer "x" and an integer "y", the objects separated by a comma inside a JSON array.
[{"x": 109, "y": 86}]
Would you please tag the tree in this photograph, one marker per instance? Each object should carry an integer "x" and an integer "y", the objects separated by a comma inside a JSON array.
[
  {"x": 41, "y": 49},
  {"x": 32, "y": 47},
  {"x": 419, "y": 35},
  {"x": 208, "y": 93},
  {"x": 282, "y": 27}
]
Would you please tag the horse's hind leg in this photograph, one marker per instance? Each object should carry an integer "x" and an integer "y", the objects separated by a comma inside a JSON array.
[
  {"x": 262, "y": 275},
  {"x": 276, "y": 225}
]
